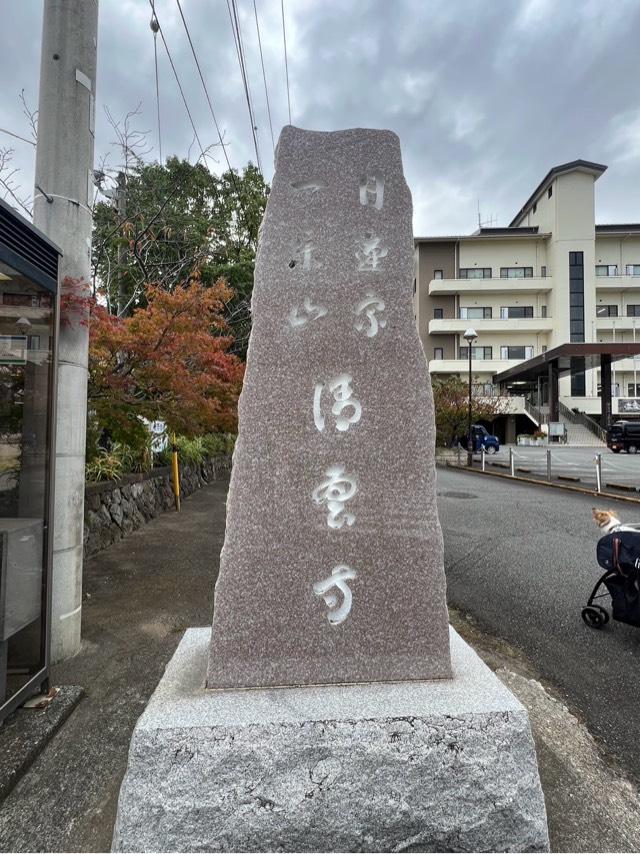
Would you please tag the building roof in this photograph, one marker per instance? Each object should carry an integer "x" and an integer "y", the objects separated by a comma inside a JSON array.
[
  {"x": 596, "y": 169},
  {"x": 615, "y": 229},
  {"x": 538, "y": 366},
  {"x": 509, "y": 230},
  {"x": 486, "y": 234}
]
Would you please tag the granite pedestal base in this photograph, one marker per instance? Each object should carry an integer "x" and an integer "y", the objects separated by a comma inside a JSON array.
[{"x": 447, "y": 765}]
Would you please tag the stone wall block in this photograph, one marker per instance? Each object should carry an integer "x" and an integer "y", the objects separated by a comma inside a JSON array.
[{"x": 112, "y": 511}]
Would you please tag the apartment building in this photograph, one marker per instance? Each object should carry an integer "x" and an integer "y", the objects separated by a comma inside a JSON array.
[{"x": 552, "y": 276}]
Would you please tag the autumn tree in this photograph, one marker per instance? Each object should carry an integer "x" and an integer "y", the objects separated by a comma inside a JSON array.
[
  {"x": 181, "y": 220},
  {"x": 451, "y": 403},
  {"x": 169, "y": 360}
]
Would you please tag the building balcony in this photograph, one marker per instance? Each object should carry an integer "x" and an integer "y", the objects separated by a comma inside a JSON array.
[
  {"x": 616, "y": 283},
  {"x": 619, "y": 324},
  {"x": 491, "y": 324},
  {"x": 533, "y": 285},
  {"x": 478, "y": 366}
]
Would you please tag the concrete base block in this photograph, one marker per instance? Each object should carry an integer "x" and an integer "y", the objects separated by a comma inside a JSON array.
[{"x": 447, "y": 765}]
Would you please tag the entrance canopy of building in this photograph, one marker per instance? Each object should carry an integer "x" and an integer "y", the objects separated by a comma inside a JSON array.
[{"x": 567, "y": 359}]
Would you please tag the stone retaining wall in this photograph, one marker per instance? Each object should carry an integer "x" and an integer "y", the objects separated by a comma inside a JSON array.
[{"x": 112, "y": 510}]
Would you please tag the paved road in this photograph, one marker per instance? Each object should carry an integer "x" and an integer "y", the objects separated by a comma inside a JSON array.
[
  {"x": 521, "y": 560},
  {"x": 574, "y": 461}
]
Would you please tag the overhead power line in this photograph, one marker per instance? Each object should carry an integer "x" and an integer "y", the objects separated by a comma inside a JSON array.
[
  {"x": 204, "y": 86},
  {"x": 237, "y": 37},
  {"x": 175, "y": 74},
  {"x": 154, "y": 29},
  {"x": 286, "y": 61},
  {"x": 264, "y": 77},
  {"x": 17, "y": 136},
  {"x": 232, "y": 174}
]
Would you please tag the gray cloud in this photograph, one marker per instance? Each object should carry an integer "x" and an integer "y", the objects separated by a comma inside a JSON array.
[{"x": 485, "y": 97}]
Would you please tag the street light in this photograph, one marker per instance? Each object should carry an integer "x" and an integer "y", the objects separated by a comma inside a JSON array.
[{"x": 470, "y": 336}]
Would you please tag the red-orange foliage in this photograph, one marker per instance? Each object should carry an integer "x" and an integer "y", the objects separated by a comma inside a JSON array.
[{"x": 167, "y": 361}]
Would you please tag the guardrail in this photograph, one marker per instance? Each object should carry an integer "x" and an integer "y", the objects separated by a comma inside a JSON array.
[
  {"x": 596, "y": 477},
  {"x": 583, "y": 419},
  {"x": 534, "y": 412}
]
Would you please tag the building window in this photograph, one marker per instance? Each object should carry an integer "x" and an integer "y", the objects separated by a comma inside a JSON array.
[
  {"x": 633, "y": 311},
  {"x": 475, "y": 273},
  {"x": 482, "y": 353},
  {"x": 438, "y": 313},
  {"x": 437, "y": 274},
  {"x": 576, "y": 297},
  {"x": 544, "y": 348},
  {"x": 438, "y": 352},
  {"x": 475, "y": 313},
  {"x": 606, "y": 311},
  {"x": 550, "y": 191},
  {"x": 543, "y": 311},
  {"x": 633, "y": 269},
  {"x": 516, "y": 272},
  {"x": 543, "y": 271},
  {"x": 27, "y": 300},
  {"x": 606, "y": 270},
  {"x": 534, "y": 208},
  {"x": 512, "y": 311},
  {"x": 633, "y": 391},
  {"x": 516, "y": 352}
]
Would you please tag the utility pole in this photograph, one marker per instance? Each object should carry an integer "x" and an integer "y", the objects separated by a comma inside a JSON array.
[
  {"x": 62, "y": 210},
  {"x": 121, "y": 209}
]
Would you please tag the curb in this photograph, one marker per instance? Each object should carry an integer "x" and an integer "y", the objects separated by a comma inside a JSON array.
[
  {"x": 26, "y": 732},
  {"x": 610, "y": 495}
]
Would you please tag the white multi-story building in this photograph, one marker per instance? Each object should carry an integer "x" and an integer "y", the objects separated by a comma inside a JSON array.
[{"x": 551, "y": 277}]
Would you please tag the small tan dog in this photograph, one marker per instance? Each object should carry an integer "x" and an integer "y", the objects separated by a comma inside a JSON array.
[{"x": 607, "y": 521}]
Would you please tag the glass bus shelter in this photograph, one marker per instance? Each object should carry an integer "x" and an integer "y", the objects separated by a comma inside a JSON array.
[{"x": 28, "y": 323}]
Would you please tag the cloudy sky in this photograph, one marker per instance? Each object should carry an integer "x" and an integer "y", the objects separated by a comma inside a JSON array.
[{"x": 486, "y": 95}]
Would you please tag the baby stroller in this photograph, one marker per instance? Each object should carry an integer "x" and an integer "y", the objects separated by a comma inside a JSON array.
[{"x": 619, "y": 555}]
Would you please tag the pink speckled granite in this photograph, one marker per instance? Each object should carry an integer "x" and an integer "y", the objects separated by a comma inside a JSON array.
[{"x": 270, "y": 626}]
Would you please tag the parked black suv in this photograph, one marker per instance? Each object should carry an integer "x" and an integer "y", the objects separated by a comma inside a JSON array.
[{"x": 624, "y": 435}]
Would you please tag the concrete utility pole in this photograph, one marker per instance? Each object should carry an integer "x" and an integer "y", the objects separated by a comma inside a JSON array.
[{"x": 62, "y": 210}]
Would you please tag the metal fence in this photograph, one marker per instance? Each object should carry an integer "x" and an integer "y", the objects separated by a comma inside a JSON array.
[{"x": 595, "y": 471}]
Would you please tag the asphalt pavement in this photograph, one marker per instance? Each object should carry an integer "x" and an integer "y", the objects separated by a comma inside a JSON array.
[
  {"x": 573, "y": 462},
  {"x": 521, "y": 560}
]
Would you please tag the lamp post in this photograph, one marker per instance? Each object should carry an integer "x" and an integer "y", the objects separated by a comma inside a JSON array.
[{"x": 470, "y": 336}]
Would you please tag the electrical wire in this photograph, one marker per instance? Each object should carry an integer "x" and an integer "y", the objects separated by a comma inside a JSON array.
[
  {"x": 232, "y": 174},
  {"x": 175, "y": 74},
  {"x": 17, "y": 136},
  {"x": 264, "y": 77},
  {"x": 286, "y": 62},
  {"x": 204, "y": 86},
  {"x": 237, "y": 37},
  {"x": 154, "y": 29}
]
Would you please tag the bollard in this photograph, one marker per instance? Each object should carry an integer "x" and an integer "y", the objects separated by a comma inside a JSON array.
[
  {"x": 175, "y": 474},
  {"x": 598, "y": 462},
  {"x": 548, "y": 464},
  {"x": 512, "y": 462},
  {"x": 482, "y": 456}
]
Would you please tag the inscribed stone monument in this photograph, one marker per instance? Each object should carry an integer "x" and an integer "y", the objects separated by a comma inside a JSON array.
[
  {"x": 332, "y": 572},
  {"x": 332, "y": 566}
]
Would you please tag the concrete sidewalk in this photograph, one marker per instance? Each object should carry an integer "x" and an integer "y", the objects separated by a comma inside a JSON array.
[{"x": 140, "y": 595}]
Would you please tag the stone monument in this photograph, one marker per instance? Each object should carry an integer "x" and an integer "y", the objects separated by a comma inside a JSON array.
[
  {"x": 332, "y": 567},
  {"x": 337, "y": 710}
]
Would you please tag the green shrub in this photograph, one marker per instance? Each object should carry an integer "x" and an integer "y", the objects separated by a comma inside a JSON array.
[
  {"x": 196, "y": 451},
  {"x": 218, "y": 443},
  {"x": 106, "y": 465}
]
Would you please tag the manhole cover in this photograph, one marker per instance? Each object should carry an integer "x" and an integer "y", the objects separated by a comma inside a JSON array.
[{"x": 456, "y": 495}]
